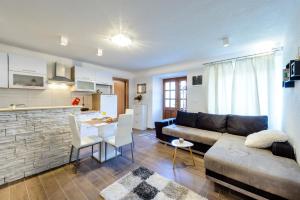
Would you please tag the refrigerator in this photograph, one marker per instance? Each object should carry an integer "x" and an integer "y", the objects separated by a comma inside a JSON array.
[{"x": 106, "y": 103}]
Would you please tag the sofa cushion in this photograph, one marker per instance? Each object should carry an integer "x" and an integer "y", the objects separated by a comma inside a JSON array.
[
  {"x": 258, "y": 168},
  {"x": 245, "y": 125},
  {"x": 186, "y": 119},
  {"x": 211, "y": 122},
  {"x": 283, "y": 149},
  {"x": 192, "y": 134},
  {"x": 265, "y": 138}
]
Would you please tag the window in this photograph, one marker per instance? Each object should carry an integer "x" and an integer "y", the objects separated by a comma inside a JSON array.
[
  {"x": 170, "y": 94},
  {"x": 174, "y": 96},
  {"x": 182, "y": 97}
]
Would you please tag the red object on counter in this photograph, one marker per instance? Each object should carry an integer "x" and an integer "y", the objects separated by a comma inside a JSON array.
[{"x": 76, "y": 101}]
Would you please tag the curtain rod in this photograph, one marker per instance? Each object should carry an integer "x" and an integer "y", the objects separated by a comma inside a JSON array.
[{"x": 248, "y": 56}]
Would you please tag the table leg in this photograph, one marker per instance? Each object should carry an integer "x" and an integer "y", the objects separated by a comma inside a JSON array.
[
  {"x": 100, "y": 151},
  {"x": 174, "y": 157},
  {"x": 192, "y": 155}
]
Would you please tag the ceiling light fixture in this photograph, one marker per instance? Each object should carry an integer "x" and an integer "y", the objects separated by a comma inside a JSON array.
[
  {"x": 121, "y": 40},
  {"x": 225, "y": 41},
  {"x": 64, "y": 41},
  {"x": 100, "y": 52}
]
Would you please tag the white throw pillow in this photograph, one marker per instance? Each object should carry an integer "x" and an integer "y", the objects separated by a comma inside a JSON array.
[{"x": 265, "y": 138}]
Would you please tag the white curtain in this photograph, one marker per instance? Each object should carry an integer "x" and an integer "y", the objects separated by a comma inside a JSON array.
[
  {"x": 220, "y": 87},
  {"x": 243, "y": 86}
]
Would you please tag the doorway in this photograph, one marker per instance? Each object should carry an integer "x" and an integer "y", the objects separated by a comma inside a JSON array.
[
  {"x": 174, "y": 96},
  {"x": 121, "y": 89}
]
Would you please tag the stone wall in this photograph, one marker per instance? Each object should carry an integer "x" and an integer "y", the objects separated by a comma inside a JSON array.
[{"x": 33, "y": 141}]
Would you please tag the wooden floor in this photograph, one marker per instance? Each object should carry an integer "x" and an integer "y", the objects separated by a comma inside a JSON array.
[{"x": 92, "y": 177}]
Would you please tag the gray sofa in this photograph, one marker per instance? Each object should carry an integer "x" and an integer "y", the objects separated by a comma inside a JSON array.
[
  {"x": 192, "y": 134},
  {"x": 229, "y": 159},
  {"x": 254, "y": 172}
]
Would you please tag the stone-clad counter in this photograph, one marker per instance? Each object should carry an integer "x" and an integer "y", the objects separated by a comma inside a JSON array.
[{"x": 33, "y": 140}]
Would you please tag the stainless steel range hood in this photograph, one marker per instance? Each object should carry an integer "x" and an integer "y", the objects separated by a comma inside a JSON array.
[{"x": 60, "y": 75}]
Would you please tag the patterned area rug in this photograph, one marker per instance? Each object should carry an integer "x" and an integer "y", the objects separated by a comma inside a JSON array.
[{"x": 144, "y": 184}]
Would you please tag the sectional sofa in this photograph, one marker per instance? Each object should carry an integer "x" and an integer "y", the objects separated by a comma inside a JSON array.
[{"x": 254, "y": 172}]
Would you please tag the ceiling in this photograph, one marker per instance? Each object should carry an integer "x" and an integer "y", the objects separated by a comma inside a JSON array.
[{"x": 164, "y": 32}]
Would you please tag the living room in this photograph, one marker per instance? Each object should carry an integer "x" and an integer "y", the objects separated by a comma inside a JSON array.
[{"x": 149, "y": 100}]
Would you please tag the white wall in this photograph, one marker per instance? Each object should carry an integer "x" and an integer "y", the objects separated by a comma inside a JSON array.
[
  {"x": 291, "y": 96},
  {"x": 157, "y": 99},
  {"x": 146, "y": 98},
  {"x": 53, "y": 97},
  {"x": 197, "y": 95}
]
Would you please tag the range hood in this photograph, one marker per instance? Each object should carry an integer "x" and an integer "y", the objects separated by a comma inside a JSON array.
[{"x": 60, "y": 75}]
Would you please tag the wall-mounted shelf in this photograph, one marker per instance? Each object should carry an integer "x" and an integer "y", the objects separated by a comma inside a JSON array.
[
  {"x": 291, "y": 73},
  {"x": 288, "y": 84}
]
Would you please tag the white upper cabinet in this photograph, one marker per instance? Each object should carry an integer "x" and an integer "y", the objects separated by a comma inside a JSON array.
[
  {"x": 84, "y": 78},
  {"x": 27, "y": 72},
  {"x": 84, "y": 74},
  {"x": 103, "y": 77},
  {"x": 99, "y": 76},
  {"x": 3, "y": 70},
  {"x": 27, "y": 64}
]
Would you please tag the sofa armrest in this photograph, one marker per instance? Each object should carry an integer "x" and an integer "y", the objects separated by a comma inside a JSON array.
[{"x": 160, "y": 124}]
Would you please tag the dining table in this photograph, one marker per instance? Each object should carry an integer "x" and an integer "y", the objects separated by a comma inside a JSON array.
[{"x": 104, "y": 126}]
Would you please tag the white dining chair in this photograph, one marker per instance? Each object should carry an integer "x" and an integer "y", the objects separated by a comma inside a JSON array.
[
  {"x": 79, "y": 142},
  {"x": 130, "y": 112},
  {"x": 122, "y": 134}
]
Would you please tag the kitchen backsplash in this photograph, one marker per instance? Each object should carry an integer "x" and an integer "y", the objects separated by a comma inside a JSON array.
[{"x": 48, "y": 97}]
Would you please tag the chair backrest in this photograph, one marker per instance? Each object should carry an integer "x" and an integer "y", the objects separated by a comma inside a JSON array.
[
  {"x": 76, "y": 139},
  {"x": 129, "y": 111},
  {"x": 124, "y": 130}
]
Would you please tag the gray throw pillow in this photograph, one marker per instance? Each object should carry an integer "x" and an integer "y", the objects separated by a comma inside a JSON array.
[
  {"x": 245, "y": 125},
  {"x": 211, "y": 122}
]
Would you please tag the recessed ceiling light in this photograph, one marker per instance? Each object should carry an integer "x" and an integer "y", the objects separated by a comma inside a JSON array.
[
  {"x": 121, "y": 40},
  {"x": 64, "y": 41},
  {"x": 225, "y": 41},
  {"x": 100, "y": 52}
]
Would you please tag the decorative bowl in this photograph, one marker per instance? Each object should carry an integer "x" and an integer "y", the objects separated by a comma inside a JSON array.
[{"x": 181, "y": 140}]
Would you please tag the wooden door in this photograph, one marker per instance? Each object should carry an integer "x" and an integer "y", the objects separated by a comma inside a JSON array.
[
  {"x": 174, "y": 96},
  {"x": 121, "y": 90}
]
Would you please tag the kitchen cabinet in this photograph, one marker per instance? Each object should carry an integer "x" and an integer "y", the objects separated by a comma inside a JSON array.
[
  {"x": 84, "y": 74},
  {"x": 103, "y": 77},
  {"x": 89, "y": 74},
  {"x": 27, "y": 64},
  {"x": 27, "y": 80},
  {"x": 27, "y": 72},
  {"x": 84, "y": 78},
  {"x": 3, "y": 70},
  {"x": 84, "y": 86}
]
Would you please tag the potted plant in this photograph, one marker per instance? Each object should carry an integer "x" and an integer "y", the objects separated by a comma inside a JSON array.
[{"x": 138, "y": 98}]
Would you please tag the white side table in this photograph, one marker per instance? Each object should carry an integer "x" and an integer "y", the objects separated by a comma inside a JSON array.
[{"x": 185, "y": 144}]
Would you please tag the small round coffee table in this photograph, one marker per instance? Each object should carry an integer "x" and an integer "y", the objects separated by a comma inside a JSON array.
[{"x": 184, "y": 144}]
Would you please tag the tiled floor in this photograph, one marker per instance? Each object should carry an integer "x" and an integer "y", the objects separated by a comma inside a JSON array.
[{"x": 92, "y": 177}]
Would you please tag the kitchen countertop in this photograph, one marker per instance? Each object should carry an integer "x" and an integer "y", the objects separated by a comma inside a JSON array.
[{"x": 8, "y": 109}]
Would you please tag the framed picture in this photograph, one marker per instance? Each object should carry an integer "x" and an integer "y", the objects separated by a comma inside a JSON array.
[
  {"x": 141, "y": 88},
  {"x": 197, "y": 80}
]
